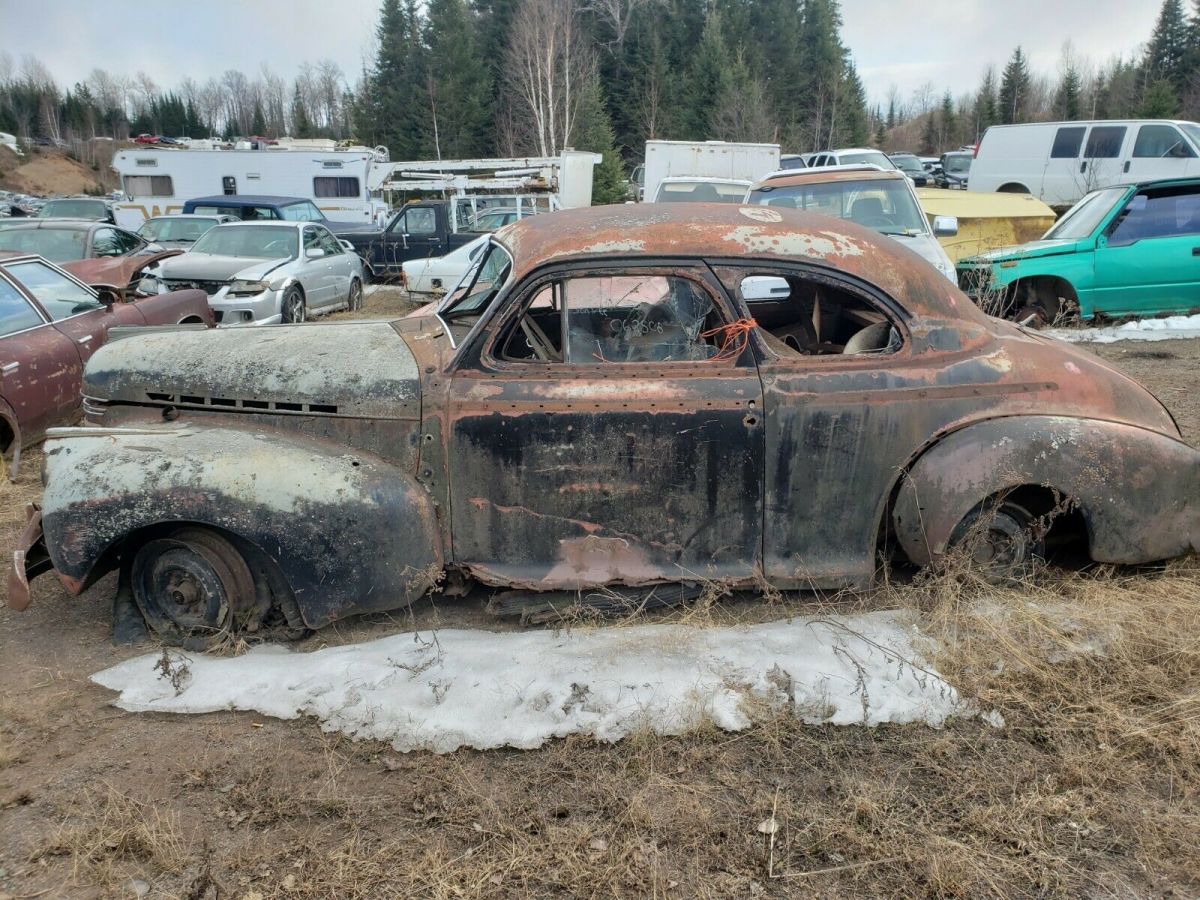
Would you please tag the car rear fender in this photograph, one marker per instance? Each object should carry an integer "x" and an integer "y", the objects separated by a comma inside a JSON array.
[
  {"x": 1138, "y": 490},
  {"x": 349, "y": 532}
]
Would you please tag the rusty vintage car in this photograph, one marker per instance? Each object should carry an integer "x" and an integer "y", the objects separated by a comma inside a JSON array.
[
  {"x": 616, "y": 396},
  {"x": 51, "y": 322}
]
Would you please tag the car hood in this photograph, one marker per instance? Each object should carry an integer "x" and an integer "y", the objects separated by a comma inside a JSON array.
[
  {"x": 927, "y": 247},
  {"x": 206, "y": 267},
  {"x": 1032, "y": 250},
  {"x": 361, "y": 370},
  {"x": 114, "y": 271}
]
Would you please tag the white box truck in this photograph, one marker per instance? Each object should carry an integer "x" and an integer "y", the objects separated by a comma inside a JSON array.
[
  {"x": 1059, "y": 162},
  {"x": 711, "y": 159}
]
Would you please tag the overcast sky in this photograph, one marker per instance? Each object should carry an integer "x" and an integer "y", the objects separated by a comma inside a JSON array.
[{"x": 946, "y": 42}]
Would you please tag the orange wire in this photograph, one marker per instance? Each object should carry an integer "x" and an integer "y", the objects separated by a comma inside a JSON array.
[{"x": 735, "y": 337}]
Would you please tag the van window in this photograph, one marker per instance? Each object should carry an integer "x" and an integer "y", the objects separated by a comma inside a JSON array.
[
  {"x": 331, "y": 186},
  {"x": 1105, "y": 142},
  {"x": 1067, "y": 142},
  {"x": 149, "y": 186},
  {"x": 1161, "y": 142}
]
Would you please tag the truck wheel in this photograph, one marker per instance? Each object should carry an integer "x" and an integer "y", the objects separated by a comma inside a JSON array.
[
  {"x": 293, "y": 311},
  {"x": 354, "y": 302},
  {"x": 191, "y": 586},
  {"x": 1000, "y": 541}
]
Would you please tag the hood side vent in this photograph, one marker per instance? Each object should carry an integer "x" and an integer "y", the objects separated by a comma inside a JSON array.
[{"x": 242, "y": 404}]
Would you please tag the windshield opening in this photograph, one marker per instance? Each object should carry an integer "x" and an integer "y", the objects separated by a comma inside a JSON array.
[
  {"x": 483, "y": 280},
  {"x": 173, "y": 228},
  {"x": 871, "y": 158},
  {"x": 701, "y": 192},
  {"x": 1084, "y": 217},
  {"x": 886, "y": 206},
  {"x": 72, "y": 209},
  {"x": 956, "y": 165},
  {"x": 253, "y": 241}
]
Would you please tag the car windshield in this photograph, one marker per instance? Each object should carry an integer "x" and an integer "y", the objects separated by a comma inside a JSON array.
[
  {"x": 867, "y": 157},
  {"x": 61, "y": 296},
  {"x": 72, "y": 209},
  {"x": 700, "y": 192},
  {"x": 175, "y": 228},
  {"x": 957, "y": 165},
  {"x": 886, "y": 206},
  {"x": 56, "y": 244},
  {"x": 909, "y": 164},
  {"x": 253, "y": 241},
  {"x": 484, "y": 280},
  {"x": 1085, "y": 216},
  {"x": 301, "y": 212}
]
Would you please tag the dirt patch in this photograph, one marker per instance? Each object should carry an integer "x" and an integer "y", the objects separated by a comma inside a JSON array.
[
  {"x": 48, "y": 173},
  {"x": 1090, "y": 789}
]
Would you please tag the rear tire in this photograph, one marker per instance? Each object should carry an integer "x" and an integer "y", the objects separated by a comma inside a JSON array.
[
  {"x": 293, "y": 310},
  {"x": 1000, "y": 540}
]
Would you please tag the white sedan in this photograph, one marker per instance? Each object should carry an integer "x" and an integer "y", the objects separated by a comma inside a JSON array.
[
  {"x": 439, "y": 274},
  {"x": 262, "y": 273}
]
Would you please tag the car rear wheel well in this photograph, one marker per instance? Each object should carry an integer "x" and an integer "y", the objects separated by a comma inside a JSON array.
[
  {"x": 191, "y": 320},
  {"x": 1013, "y": 187},
  {"x": 1048, "y": 298}
]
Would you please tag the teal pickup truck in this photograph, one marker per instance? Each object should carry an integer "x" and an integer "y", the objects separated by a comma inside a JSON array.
[{"x": 1129, "y": 250}]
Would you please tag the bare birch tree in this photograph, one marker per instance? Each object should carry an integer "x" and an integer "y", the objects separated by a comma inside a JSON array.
[{"x": 549, "y": 61}]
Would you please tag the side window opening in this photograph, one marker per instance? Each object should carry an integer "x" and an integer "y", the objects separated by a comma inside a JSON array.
[
  {"x": 597, "y": 319},
  {"x": 800, "y": 316}
]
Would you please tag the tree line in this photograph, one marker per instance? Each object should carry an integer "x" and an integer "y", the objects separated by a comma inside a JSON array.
[{"x": 476, "y": 78}]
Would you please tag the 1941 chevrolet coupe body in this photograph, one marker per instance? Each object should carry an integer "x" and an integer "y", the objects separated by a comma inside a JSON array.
[{"x": 616, "y": 396}]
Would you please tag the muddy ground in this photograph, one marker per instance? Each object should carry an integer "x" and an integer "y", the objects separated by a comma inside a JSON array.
[{"x": 96, "y": 802}]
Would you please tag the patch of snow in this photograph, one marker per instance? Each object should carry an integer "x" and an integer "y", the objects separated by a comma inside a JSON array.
[
  {"x": 465, "y": 688},
  {"x": 1137, "y": 330}
]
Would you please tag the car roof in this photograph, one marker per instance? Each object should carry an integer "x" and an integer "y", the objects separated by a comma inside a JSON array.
[
  {"x": 69, "y": 224},
  {"x": 850, "y": 150},
  {"x": 702, "y": 179},
  {"x": 732, "y": 231},
  {"x": 188, "y": 216},
  {"x": 828, "y": 175},
  {"x": 248, "y": 200},
  {"x": 269, "y": 223}
]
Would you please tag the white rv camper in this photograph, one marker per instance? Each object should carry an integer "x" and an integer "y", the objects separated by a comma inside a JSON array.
[{"x": 341, "y": 183}]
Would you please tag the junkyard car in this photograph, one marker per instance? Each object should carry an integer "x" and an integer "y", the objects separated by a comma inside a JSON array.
[
  {"x": 179, "y": 231},
  {"x": 1120, "y": 251},
  {"x": 883, "y": 201},
  {"x": 89, "y": 209},
  {"x": 262, "y": 273},
  {"x": 626, "y": 395},
  {"x": 442, "y": 273},
  {"x": 62, "y": 241},
  {"x": 694, "y": 189},
  {"x": 50, "y": 325}
]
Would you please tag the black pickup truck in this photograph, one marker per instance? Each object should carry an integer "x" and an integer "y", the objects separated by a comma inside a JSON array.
[{"x": 418, "y": 230}]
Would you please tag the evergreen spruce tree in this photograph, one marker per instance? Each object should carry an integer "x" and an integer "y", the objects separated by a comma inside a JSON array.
[
  {"x": 1068, "y": 99},
  {"x": 593, "y": 131},
  {"x": 948, "y": 123},
  {"x": 301, "y": 126},
  {"x": 459, "y": 90},
  {"x": 708, "y": 78},
  {"x": 1014, "y": 89},
  {"x": 1168, "y": 50}
]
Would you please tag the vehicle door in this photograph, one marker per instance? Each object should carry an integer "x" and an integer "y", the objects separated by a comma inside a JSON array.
[
  {"x": 1103, "y": 158},
  {"x": 315, "y": 274},
  {"x": 605, "y": 426},
  {"x": 339, "y": 264},
  {"x": 75, "y": 309},
  {"x": 847, "y": 402},
  {"x": 1159, "y": 151},
  {"x": 40, "y": 369},
  {"x": 414, "y": 234},
  {"x": 1148, "y": 260},
  {"x": 1062, "y": 181}
]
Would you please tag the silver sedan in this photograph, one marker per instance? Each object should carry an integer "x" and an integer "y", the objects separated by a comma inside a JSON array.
[{"x": 262, "y": 273}]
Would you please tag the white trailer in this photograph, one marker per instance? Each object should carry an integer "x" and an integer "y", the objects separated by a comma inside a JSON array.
[
  {"x": 342, "y": 183},
  {"x": 710, "y": 159}
]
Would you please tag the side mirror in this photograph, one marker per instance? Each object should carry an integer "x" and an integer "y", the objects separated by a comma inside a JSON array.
[
  {"x": 314, "y": 253},
  {"x": 765, "y": 287},
  {"x": 346, "y": 245},
  {"x": 945, "y": 226},
  {"x": 108, "y": 296}
]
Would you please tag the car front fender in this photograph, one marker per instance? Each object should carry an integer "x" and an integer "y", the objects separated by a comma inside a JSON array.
[
  {"x": 349, "y": 532},
  {"x": 1138, "y": 490}
]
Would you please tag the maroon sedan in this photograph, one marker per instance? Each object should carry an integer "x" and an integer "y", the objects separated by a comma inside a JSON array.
[{"x": 50, "y": 324}]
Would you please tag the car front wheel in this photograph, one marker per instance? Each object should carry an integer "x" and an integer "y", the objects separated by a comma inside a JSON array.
[
  {"x": 294, "y": 311},
  {"x": 356, "y": 295}
]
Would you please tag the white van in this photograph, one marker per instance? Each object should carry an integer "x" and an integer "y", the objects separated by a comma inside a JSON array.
[{"x": 1059, "y": 162}]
